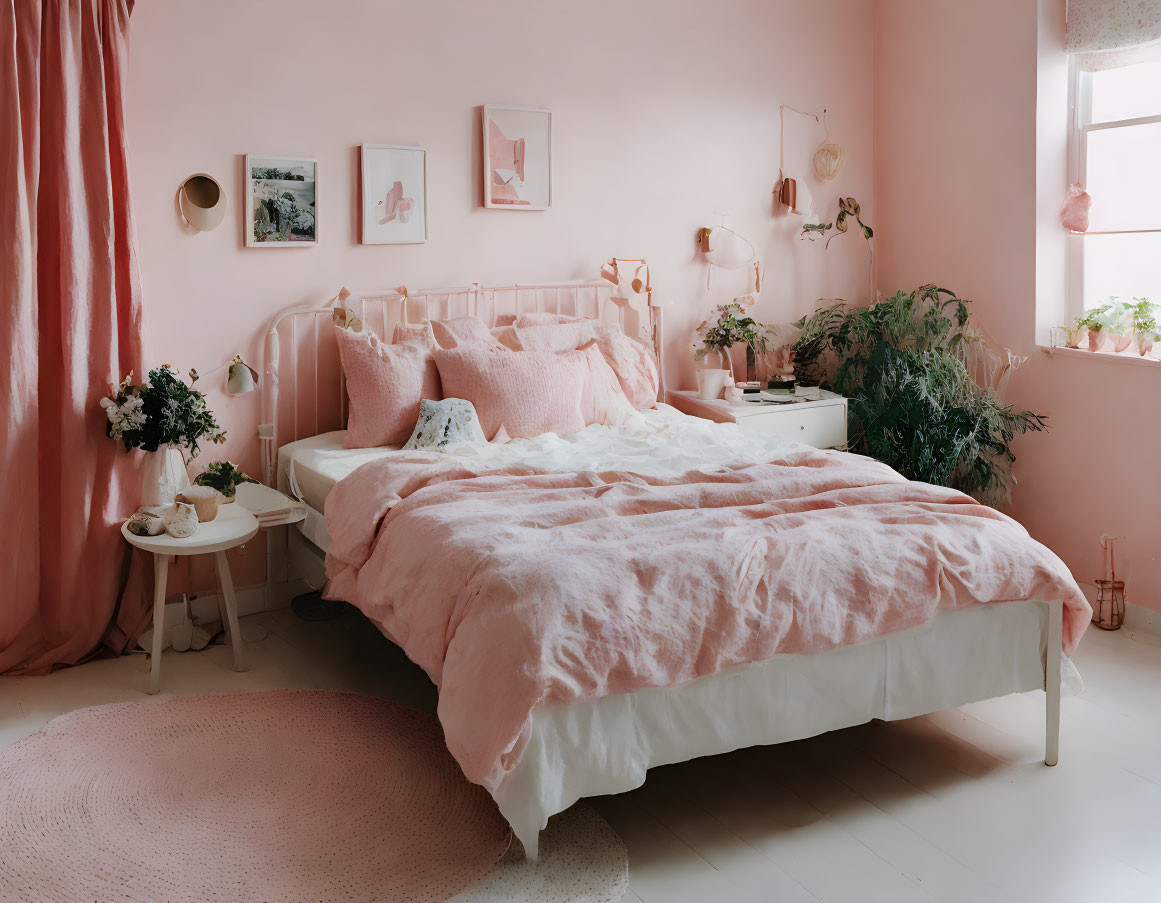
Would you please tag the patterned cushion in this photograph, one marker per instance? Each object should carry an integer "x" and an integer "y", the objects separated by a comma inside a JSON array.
[{"x": 445, "y": 423}]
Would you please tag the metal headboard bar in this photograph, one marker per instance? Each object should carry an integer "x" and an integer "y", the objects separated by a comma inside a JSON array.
[{"x": 589, "y": 298}]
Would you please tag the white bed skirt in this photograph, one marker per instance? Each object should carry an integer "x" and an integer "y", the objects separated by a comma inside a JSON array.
[{"x": 606, "y": 745}]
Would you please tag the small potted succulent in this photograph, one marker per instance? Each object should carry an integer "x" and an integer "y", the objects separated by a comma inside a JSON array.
[
  {"x": 225, "y": 477},
  {"x": 1145, "y": 325}
]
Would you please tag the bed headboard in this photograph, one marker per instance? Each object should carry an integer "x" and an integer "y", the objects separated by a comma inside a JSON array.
[{"x": 303, "y": 392}]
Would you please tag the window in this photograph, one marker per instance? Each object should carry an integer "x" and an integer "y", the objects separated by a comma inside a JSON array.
[{"x": 1115, "y": 153}]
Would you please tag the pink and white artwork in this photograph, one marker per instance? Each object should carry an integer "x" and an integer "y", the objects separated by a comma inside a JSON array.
[
  {"x": 393, "y": 187},
  {"x": 517, "y": 158}
]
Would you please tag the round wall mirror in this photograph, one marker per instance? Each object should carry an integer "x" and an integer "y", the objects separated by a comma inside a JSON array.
[{"x": 203, "y": 202}]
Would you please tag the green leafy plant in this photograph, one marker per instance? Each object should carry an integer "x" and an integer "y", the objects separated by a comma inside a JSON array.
[
  {"x": 223, "y": 476},
  {"x": 1144, "y": 314},
  {"x": 1093, "y": 319},
  {"x": 903, "y": 365},
  {"x": 733, "y": 327},
  {"x": 161, "y": 411}
]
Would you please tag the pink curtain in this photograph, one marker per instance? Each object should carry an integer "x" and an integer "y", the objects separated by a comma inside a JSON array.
[{"x": 71, "y": 324}]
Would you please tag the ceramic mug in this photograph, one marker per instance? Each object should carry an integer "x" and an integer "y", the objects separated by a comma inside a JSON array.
[{"x": 711, "y": 382}]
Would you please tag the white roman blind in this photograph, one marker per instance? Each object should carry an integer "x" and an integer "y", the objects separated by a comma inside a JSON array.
[{"x": 1107, "y": 34}]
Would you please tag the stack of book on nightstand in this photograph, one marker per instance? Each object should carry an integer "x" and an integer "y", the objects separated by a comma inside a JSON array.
[{"x": 270, "y": 506}]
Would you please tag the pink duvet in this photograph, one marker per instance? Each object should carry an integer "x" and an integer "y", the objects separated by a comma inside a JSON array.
[{"x": 513, "y": 589}]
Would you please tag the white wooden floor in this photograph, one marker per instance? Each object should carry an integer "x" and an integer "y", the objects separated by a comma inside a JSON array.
[{"x": 951, "y": 806}]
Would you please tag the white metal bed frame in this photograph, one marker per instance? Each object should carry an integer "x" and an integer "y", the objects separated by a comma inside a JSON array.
[
  {"x": 639, "y": 317},
  {"x": 382, "y": 310}
]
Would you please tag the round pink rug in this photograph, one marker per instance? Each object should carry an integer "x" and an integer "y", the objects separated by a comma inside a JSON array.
[{"x": 285, "y": 795}]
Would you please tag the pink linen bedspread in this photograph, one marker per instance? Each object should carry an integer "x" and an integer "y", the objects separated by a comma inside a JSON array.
[{"x": 514, "y": 588}]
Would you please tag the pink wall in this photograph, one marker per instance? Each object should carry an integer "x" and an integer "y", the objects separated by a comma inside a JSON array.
[
  {"x": 956, "y": 170},
  {"x": 666, "y": 115}
]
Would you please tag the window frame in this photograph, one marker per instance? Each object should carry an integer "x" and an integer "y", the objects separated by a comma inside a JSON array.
[{"x": 1079, "y": 127}]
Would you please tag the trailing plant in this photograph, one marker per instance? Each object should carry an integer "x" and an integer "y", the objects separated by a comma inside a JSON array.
[
  {"x": 848, "y": 208},
  {"x": 223, "y": 476},
  {"x": 912, "y": 403},
  {"x": 161, "y": 411}
]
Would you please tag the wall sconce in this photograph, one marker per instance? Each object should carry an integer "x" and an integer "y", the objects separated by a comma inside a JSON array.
[
  {"x": 202, "y": 201},
  {"x": 241, "y": 379}
]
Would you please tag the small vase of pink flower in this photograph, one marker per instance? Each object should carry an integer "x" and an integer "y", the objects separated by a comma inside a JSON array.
[{"x": 732, "y": 327}]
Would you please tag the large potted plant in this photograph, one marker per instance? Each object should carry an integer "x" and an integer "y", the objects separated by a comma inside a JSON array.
[
  {"x": 912, "y": 402},
  {"x": 164, "y": 417}
]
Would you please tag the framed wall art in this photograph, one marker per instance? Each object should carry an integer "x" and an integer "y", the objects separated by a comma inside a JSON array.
[
  {"x": 281, "y": 201},
  {"x": 517, "y": 158},
  {"x": 393, "y": 194}
]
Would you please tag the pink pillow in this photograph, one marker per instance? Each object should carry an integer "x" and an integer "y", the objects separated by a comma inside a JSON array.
[
  {"x": 464, "y": 332},
  {"x": 603, "y": 401},
  {"x": 631, "y": 360},
  {"x": 413, "y": 332},
  {"x": 525, "y": 392},
  {"x": 543, "y": 319},
  {"x": 385, "y": 384},
  {"x": 506, "y": 336}
]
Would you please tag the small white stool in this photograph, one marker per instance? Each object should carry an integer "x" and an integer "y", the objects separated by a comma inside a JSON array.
[{"x": 233, "y": 526}]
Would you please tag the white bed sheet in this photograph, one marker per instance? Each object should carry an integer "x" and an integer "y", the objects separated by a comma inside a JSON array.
[{"x": 655, "y": 442}]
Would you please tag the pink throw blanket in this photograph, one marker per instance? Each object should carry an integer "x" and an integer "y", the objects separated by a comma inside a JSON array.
[{"x": 514, "y": 588}]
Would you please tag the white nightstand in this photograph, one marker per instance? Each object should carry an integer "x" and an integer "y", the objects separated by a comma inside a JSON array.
[
  {"x": 821, "y": 423},
  {"x": 233, "y": 526}
]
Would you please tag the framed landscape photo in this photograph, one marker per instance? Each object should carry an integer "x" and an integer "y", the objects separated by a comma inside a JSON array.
[
  {"x": 281, "y": 201},
  {"x": 517, "y": 158},
  {"x": 392, "y": 194}
]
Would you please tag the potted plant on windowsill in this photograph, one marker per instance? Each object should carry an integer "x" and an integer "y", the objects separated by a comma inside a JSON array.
[
  {"x": 163, "y": 416},
  {"x": 1093, "y": 321},
  {"x": 1145, "y": 325},
  {"x": 225, "y": 477},
  {"x": 1118, "y": 322}
]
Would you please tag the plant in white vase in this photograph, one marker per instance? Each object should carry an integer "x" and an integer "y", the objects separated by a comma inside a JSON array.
[
  {"x": 162, "y": 416},
  {"x": 1145, "y": 325}
]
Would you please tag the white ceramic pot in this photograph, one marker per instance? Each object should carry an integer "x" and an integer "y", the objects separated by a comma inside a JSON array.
[
  {"x": 165, "y": 476},
  {"x": 711, "y": 382}
]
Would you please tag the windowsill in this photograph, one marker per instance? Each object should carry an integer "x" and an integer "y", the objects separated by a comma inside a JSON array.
[{"x": 1125, "y": 357}]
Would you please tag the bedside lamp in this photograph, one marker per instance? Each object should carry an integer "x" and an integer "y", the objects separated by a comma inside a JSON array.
[{"x": 242, "y": 379}]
